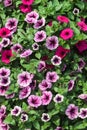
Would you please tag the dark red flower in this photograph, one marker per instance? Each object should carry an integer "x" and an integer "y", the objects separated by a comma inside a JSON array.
[
  {"x": 25, "y": 8},
  {"x": 50, "y": 23},
  {"x": 6, "y": 55},
  {"x": 44, "y": 58},
  {"x": 81, "y": 45},
  {"x": 49, "y": 66},
  {"x": 61, "y": 52},
  {"x": 4, "y": 32}
]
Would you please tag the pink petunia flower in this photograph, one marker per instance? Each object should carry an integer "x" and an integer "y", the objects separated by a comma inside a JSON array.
[
  {"x": 16, "y": 111},
  {"x": 9, "y": 96},
  {"x": 62, "y": 19},
  {"x": 40, "y": 23},
  {"x": 4, "y": 72},
  {"x": 40, "y": 36},
  {"x": 83, "y": 113},
  {"x": 2, "y": 110},
  {"x": 5, "y": 42},
  {"x": 45, "y": 117},
  {"x": 44, "y": 85},
  {"x": 3, "y": 90},
  {"x": 4, "y": 126},
  {"x": 52, "y": 76},
  {"x": 46, "y": 97},
  {"x": 71, "y": 85},
  {"x": 6, "y": 55},
  {"x": 5, "y": 81},
  {"x": 7, "y": 3},
  {"x": 24, "y": 79},
  {"x": 58, "y": 98},
  {"x": 72, "y": 111},
  {"x": 25, "y": 8},
  {"x": 17, "y": 48},
  {"x": 24, "y": 117},
  {"x": 66, "y": 33},
  {"x": 41, "y": 66},
  {"x": 83, "y": 97},
  {"x": 59, "y": 128},
  {"x": 56, "y": 60},
  {"x": 26, "y": 53},
  {"x": 52, "y": 42},
  {"x": 82, "y": 25},
  {"x": 24, "y": 93},
  {"x": 4, "y": 32},
  {"x": 35, "y": 46},
  {"x": 34, "y": 101},
  {"x": 27, "y": 2}
]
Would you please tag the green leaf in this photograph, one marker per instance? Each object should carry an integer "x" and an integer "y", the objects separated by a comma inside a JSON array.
[
  {"x": 9, "y": 120},
  {"x": 36, "y": 125},
  {"x": 38, "y": 55}
]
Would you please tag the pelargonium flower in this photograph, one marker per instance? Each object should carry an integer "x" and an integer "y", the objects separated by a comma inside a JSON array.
[
  {"x": 61, "y": 52},
  {"x": 33, "y": 84},
  {"x": 76, "y": 11},
  {"x": 35, "y": 46},
  {"x": 2, "y": 110},
  {"x": 46, "y": 97},
  {"x": 62, "y": 19},
  {"x": 27, "y": 2},
  {"x": 71, "y": 85},
  {"x": 40, "y": 36},
  {"x": 58, "y": 98},
  {"x": 24, "y": 79},
  {"x": 34, "y": 101},
  {"x": 16, "y": 111},
  {"x": 9, "y": 96},
  {"x": 11, "y": 23},
  {"x": 25, "y": 8},
  {"x": 26, "y": 53},
  {"x": 4, "y": 72},
  {"x": 56, "y": 60},
  {"x": 72, "y": 111},
  {"x": 81, "y": 45},
  {"x": 7, "y": 3},
  {"x": 52, "y": 76},
  {"x": 82, "y": 26},
  {"x": 83, "y": 113},
  {"x": 24, "y": 117},
  {"x": 5, "y": 42},
  {"x": 4, "y": 32},
  {"x": 66, "y": 33},
  {"x": 3, "y": 90},
  {"x": 41, "y": 66},
  {"x": 17, "y": 48},
  {"x": 32, "y": 17},
  {"x": 6, "y": 55},
  {"x": 59, "y": 128},
  {"x": 44, "y": 85},
  {"x": 4, "y": 126},
  {"x": 24, "y": 93},
  {"x": 52, "y": 42},
  {"x": 45, "y": 117},
  {"x": 83, "y": 97},
  {"x": 5, "y": 81},
  {"x": 40, "y": 23}
]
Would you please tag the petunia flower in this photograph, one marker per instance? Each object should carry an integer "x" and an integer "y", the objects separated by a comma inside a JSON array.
[
  {"x": 3, "y": 90},
  {"x": 82, "y": 26},
  {"x": 24, "y": 117},
  {"x": 17, "y": 48},
  {"x": 40, "y": 23},
  {"x": 16, "y": 111},
  {"x": 26, "y": 53},
  {"x": 62, "y": 19},
  {"x": 45, "y": 117},
  {"x": 4, "y": 32},
  {"x": 2, "y": 110},
  {"x": 83, "y": 97},
  {"x": 83, "y": 113},
  {"x": 58, "y": 98},
  {"x": 25, "y": 8},
  {"x": 41, "y": 66},
  {"x": 46, "y": 97},
  {"x": 75, "y": 11},
  {"x": 35, "y": 46},
  {"x": 59, "y": 128},
  {"x": 56, "y": 60},
  {"x": 27, "y": 2},
  {"x": 7, "y": 3},
  {"x": 71, "y": 85},
  {"x": 5, "y": 42},
  {"x": 5, "y": 81},
  {"x": 40, "y": 36},
  {"x": 4, "y": 72}
]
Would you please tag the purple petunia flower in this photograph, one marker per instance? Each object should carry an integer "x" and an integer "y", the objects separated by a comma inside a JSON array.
[
  {"x": 40, "y": 36},
  {"x": 2, "y": 110},
  {"x": 32, "y": 17},
  {"x": 59, "y": 128},
  {"x": 4, "y": 72},
  {"x": 45, "y": 117},
  {"x": 46, "y": 97},
  {"x": 3, "y": 90},
  {"x": 34, "y": 101},
  {"x": 11, "y": 24},
  {"x": 41, "y": 66},
  {"x": 81, "y": 65},
  {"x": 52, "y": 42},
  {"x": 5, "y": 81},
  {"x": 7, "y": 3},
  {"x": 9, "y": 96},
  {"x": 83, "y": 113},
  {"x": 24, "y": 117},
  {"x": 83, "y": 97},
  {"x": 24, "y": 93},
  {"x": 56, "y": 60},
  {"x": 40, "y": 23},
  {"x": 72, "y": 111},
  {"x": 5, "y": 42},
  {"x": 4, "y": 126},
  {"x": 44, "y": 85},
  {"x": 26, "y": 53},
  {"x": 16, "y": 111},
  {"x": 33, "y": 84},
  {"x": 76, "y": 11},
  {"x": 24, "y": 79},
  {"x": 17, "y": 48},
  {"x": 52, "y": 76},
  {"x": 71, "y": 85},
  {"x": 35, "y": 46},
  {"x": 58, "y": 98}
]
